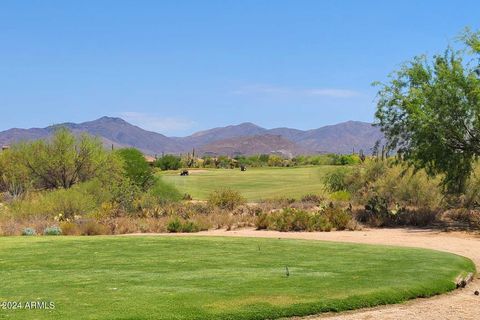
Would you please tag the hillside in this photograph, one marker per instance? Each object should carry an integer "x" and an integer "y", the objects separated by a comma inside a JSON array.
[
  {"x": 245, "y": 138},
  {"x": 258, "y": 144}
]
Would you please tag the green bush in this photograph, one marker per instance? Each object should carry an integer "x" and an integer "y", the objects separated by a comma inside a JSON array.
[
  {"x": 340, "y": 196},
  {"x": 226, "y": 199},
  {"x": 64, "y": 204},
  {"x": 290, "y": 219},
  {"x": 136, "y": 168},
  {"x": 346, "y": 159},
  {"x": 262, "y": 221},
  {"x": 176, "y": 225},
  {"x": 190, "y": 226},
  {"x": 338, "y": 218},
  {"x": 52, "y": 231},
  {"x": 28, "y": 232},
  {"x": 336, "y": 180},
  {"x": 165, "y": 192},
  {"x": 320, "y": 222},
  {"x": 169, "y": 162},
  {"x": 59, "y": 162}
]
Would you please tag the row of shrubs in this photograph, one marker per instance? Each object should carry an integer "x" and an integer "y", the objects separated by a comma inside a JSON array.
[
  {"x": 388, "y": 193},
  {"x": 224, "y": 209},
  {"x": 173, "y": 162},
  {"x": 48, "y": 231},
  {"x": 291, "y": 219}
]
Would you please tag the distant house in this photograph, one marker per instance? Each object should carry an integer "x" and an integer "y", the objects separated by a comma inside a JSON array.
[{"x": 151, "y": 160}]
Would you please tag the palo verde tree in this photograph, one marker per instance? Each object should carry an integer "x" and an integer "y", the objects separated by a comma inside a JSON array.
[
  {"x": 63, "y": 160},
  {"x": 429, "y": 112},
  {"x": 137, "y": 168}
]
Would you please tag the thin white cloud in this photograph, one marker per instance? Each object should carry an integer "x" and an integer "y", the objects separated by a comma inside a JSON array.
[
  {"x": 312, "y": 92},
  {"x": 335, "y": 93},
  {"x": 261, "y": 89},
  {"x": 156, "y": 123}
]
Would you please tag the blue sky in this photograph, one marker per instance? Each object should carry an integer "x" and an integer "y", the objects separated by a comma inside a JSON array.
[{"x": 176, "y": 67}]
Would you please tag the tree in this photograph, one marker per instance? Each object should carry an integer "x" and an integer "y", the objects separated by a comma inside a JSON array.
[
  {"x": 137, "y": 168},
  {"x": 169, "y": 162},
  {"x": 275, "y": 161},
  {"x": 62, "y": 161},
  {"x": 429, "y": 112},
  {"x": 15, "y": 178}
]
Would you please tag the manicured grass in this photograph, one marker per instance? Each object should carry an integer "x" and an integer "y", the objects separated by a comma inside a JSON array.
[
  {"x": 212, "y": 278},
  {"x": 254, "y": 184}
]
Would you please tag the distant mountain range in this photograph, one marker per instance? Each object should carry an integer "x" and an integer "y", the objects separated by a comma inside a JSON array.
[{"x": 243, "y": 139}]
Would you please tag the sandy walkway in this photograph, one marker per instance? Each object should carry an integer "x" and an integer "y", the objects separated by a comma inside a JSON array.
[{"x": 460, "y": 304}]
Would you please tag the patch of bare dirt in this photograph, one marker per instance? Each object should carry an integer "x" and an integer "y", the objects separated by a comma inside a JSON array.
[{"x": 197, "y": 171}]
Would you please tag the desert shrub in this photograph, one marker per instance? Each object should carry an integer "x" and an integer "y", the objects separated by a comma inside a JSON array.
[
  {"x": 285, "y": 220},
  {"x": 290, "y": 219},
  {"x": 418, "y": 217},
  {"x": 15, "y": 178},
  {"x": 137, "y": 169},
  {"x": 226, "y": 199},
  {"x": 471, "y": 196},
  {"x": 470, "y": 217},
  {"x": 52, "y": 231},
  {"x": 345, "y": 159},
  {"x": 62, "y": 203},
  {"x": 336, "y": 180},
  {"x": 378, "y": 213},
  {"x": 28, "y": 232},
  {"x": 394, "y": 182},
  {"x": 339, "y": 218},
  {"x": 320, "y": 222},
  {"x": 91, "y": 228},
  {"x": 154, "y": 202},
  {"x": 176, "y": 225},
  {"x": 69, "y": 228},
  {"x": 107, "y": 210},
  {"x": 401, "y": 185},
  {"x": 277, "y": 203},
  {"x": 169, "y": 162},
  {"x": 124, "y": 194},
  {"x": 9, "y": 227},
  {"x": 123, "y": 225},
  {"x": 190, "y": 226},
  {"x": 246, "y": 210},
  {"x": 262, "y": 221},
  {"x": 70, "y": 203},
  {"x": 165, "y": 192},
  {"x": 314, "y": 198},
  {"x": 340, "y": 195}
]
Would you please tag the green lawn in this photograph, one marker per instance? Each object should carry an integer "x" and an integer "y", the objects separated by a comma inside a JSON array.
[
  {"x": 254, "y": 184},
  {"x": 212, "y": 278}
]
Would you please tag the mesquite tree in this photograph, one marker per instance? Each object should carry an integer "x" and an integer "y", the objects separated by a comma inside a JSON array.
[{"x": 429, "y": 112}]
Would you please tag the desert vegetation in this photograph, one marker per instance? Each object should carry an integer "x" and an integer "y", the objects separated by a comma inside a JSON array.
[
  {"x": 87, "y": 190},
  {"x": 425, "y": 174}
]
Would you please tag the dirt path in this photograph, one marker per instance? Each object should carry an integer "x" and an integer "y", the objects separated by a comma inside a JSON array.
[{"x": 460, "y": 304}]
